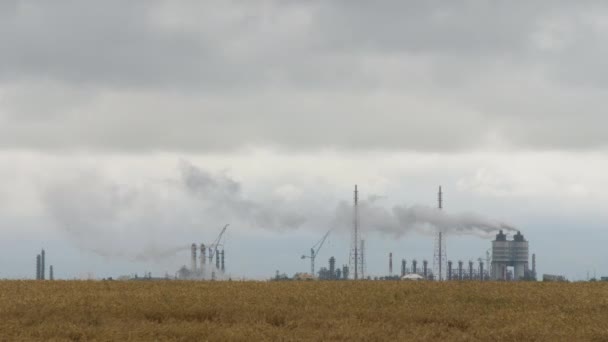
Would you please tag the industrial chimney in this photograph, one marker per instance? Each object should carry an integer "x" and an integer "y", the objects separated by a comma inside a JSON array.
[
  {"x": 42, "y": 265},
  {"x": 332, "y": 268},
  {"x": 470, "y": 269},
  {"x": 414, "y": 264},
  {"x": 390, "y": 264},
  {"x": 203, "y": 256},
  {"x": 459, "y": 269},
  {"x": 402, "y": 267},
  {"x": 217, "y": 259},
  {"x": 51, "y": 276},
  {"x": 193, "y": 257},
  {"x": 449, "y": 269},
  {"x": 223, "y": 268},
  {"x": 38, "y": 267},
  {"x": 425, "y": 265},
  {"x": 534, "y": 266}
]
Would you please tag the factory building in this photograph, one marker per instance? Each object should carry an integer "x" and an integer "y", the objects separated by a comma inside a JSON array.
[{"x": 509, "y": 253}]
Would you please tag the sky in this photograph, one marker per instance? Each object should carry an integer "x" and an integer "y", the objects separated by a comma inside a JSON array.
[{"x": 129, "y": 130}]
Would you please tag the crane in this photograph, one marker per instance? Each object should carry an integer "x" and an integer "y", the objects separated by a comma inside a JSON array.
[
  {"x": 314, "y": 252},
  {"x": 216, "y": 243}
]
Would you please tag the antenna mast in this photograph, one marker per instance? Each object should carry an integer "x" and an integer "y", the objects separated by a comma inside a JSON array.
[
  {"x": 355, "y": 253},
  {"x": 439, "y": 255}
]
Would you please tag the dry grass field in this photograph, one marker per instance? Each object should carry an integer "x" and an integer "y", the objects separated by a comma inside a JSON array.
[{"x": 314, "y": 311}]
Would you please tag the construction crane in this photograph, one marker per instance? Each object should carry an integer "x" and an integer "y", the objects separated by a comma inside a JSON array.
[
  {"x": 314, "y": 251},
  {"x": 216, "y": 243}
]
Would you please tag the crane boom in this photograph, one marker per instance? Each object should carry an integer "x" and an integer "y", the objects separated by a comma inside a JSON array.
[
  {"x": 217, "y": 242},
  {"x": 314, "y": 252}
]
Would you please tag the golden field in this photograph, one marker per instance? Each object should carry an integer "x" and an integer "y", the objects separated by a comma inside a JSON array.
[{"x": 314, "y": 311}]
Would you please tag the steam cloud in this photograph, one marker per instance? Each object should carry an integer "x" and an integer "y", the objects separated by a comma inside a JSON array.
[
  {"x": 156, "y": 220},
  {"x": 418, "y": 218},
  {"x": 139, "y": 222}
]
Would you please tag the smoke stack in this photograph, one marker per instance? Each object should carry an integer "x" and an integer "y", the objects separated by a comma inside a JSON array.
[
  {"x": 51, "y": 276},
  {"x": 390, "y": 264},
  {"x": 450, "y": 270},
  {"x": 459, "y": 269},
  {"x": 403, "y": 267},
  {"x": 425, "y": 268},
  {"x": 42, "y": 265},
  {"x": 362, "y": 265},
  {"x": 332, "y": 268},
  {"x": 38, "y": 264},
  {"x": 534, "y": 265},
  {"x": 223, "y": 269},
  {"x": 470, "y": 269},
  {"x": 193, "y": 257},
  {"x": 217, "y": 259},
  {"x": 414, "y": 268},
  {"x": 203, "y": 256}
]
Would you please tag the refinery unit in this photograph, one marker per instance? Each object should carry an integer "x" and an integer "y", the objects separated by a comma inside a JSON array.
[
  {"x": 507, "y": 261},
  {"x": 41, "y": 267}
]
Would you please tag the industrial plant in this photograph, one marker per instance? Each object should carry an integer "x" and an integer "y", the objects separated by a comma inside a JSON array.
[
  {"x": 41, "y": 267},
  {"x": 209, "y": 265},
  {"x": 507, "y": 260}
]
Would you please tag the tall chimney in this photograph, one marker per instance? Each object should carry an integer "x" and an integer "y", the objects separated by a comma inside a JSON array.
[
  {"x": 390, "y": 264},
  {"x": 449, "y": 269},
  {"x": 470, "y": 269},
  {"x": 193, "y": 258},
  {"x": 203, "y": 256},
  {"x": 534, "y": 265},
  {"x": 51, "y": 276},
  {"x": 217, "y": 259},
  {"x": 223, "y": 268},
  {"x": 424, "y": 268},
  {"x": 402, "y": 267},
  {"x": 459, "y": 269},
  {"x": 414, "y": 264},
  {"x": 42, "y": 265},
  {"x": 38, "y": 267}
]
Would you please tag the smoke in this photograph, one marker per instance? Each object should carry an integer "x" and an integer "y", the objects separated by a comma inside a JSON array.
[
  {"x": 139, "y": 221},
  {"x": 156, "y": 220},
  {"x": 401, "y": 219},
  {"x": 222, "y": 195}
]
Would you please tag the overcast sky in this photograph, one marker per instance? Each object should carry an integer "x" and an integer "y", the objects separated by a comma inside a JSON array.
[{"x": 132, "y": 127}]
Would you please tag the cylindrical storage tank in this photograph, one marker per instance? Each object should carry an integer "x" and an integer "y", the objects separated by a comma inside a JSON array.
[{"x": 519, "y": 252}]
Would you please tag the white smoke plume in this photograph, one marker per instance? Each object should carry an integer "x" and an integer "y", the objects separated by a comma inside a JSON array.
[
  {"x": 139, "y": 222},
  {"x": 401, "y": 219}
]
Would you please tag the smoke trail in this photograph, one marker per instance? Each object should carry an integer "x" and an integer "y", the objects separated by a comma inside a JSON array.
[
  {"x": 138, "y": 222},
  {"x": 223, "y": 195},
  {"x": 400, "y": 220}
]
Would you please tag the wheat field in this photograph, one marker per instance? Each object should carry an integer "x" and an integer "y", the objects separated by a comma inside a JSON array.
[{"x": 313, "y": 311}]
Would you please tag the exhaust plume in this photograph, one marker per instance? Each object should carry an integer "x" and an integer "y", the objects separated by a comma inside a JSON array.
[
  {"x": 401, "y": 219},
  {"x": 139, "y": 222}
]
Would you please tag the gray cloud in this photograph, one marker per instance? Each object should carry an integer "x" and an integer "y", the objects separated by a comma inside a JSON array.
[{"x": 217, "y": 76}]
